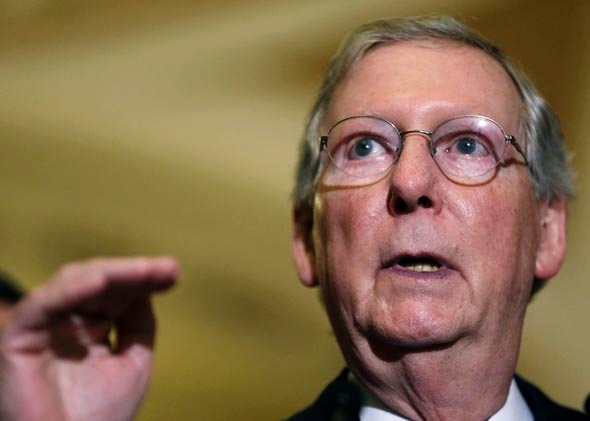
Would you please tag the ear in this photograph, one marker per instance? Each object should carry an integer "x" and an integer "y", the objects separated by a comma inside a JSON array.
[
  {"x": 303, "y": 248},
  {"x": 551, "y": 250}
]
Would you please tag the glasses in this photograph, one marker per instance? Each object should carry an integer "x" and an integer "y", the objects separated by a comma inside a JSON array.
[{"x": 363, "y": 147}]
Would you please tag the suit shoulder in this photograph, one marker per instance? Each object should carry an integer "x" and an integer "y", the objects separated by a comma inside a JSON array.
[
  {"x": 543, "y": 407},
  {"x": 340, "y": 398}
]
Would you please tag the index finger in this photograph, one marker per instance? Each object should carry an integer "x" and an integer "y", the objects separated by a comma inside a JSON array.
[{"x": 90, "y": 284}]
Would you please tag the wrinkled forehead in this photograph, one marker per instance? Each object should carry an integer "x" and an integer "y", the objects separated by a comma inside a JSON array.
[{"x": 425, "y": 81}]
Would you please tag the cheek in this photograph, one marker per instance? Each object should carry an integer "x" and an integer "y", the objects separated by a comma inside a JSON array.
[
  {"x": 504, "y": 231},
  {"x": 345, "y": 238},
  {"x": 349, "y": 221}
]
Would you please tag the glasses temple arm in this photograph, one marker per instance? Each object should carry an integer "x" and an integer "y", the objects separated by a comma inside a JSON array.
[{"x": 514, "y": 143}]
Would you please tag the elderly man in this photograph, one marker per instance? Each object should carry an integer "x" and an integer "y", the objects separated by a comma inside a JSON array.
[{"x": 430, "y": 205}]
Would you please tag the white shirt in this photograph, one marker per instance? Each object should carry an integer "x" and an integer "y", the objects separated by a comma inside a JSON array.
[{"x": 514, "y": 409}]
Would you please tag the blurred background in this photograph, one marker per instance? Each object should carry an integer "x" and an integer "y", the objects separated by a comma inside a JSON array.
[{"x": 171, "y": 126}]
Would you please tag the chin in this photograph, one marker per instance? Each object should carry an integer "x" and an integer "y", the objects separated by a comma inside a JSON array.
[{"x": 419, "y": 328}]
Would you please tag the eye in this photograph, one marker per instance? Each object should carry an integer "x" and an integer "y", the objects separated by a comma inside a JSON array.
[
  {"x": 468, "y": 146},
  {"x": 365, "y": 147}
]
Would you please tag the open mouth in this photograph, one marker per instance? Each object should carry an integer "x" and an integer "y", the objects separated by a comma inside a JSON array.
[{"x": 419, "y": 264}]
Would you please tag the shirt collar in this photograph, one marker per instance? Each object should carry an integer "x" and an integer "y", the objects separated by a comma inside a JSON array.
[{"x": 515, "y": 408}]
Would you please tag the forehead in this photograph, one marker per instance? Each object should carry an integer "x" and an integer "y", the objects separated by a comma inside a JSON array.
[{"x": 423, "y": 83}]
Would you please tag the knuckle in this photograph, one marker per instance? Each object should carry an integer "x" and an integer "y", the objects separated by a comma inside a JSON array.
[
  {"x": 68, "y": 270},
  {"x": 143, "y": 264},
  {"x": 89, "y": 271}
]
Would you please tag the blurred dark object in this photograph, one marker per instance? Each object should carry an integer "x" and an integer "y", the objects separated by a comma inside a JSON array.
[{"x": 10, "y": 291}]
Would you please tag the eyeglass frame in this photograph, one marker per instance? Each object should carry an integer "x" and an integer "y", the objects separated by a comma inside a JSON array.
[{"x": 507, "y": 139}]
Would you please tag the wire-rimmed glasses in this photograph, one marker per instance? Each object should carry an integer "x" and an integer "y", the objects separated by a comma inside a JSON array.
[{"x": 365, "y": 147}]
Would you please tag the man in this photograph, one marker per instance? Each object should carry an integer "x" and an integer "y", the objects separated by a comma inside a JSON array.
[
  {"x": 425, "y": 258},
  {"x": 430, "y": 205}
]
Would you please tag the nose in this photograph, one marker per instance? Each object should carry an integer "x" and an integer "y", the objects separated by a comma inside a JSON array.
[{"x": 414, "y": 177}]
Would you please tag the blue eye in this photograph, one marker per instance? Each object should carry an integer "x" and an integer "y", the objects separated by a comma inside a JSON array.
[
  {"x": 365, "y": 148},
  {"x": 466, "y": 146},
  {"x": 469, "y": 147}
]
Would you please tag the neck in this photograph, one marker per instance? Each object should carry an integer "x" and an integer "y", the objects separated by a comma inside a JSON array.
[{"x": 440, "y": 383}]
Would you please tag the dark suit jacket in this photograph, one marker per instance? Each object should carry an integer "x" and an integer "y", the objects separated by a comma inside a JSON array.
[{"x": 341, "y": 400}]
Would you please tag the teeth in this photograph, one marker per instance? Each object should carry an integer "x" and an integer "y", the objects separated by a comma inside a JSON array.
[{"x": 422, "y": 267}]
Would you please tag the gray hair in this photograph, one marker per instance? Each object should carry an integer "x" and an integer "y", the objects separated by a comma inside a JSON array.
[{"x": 549, "y": 171}]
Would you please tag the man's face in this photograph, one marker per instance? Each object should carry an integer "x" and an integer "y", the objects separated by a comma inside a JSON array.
[{"x": 415, "y": 259}]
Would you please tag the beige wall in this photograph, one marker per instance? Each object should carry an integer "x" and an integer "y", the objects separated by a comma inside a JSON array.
[{"x": 171, "y": 127}]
